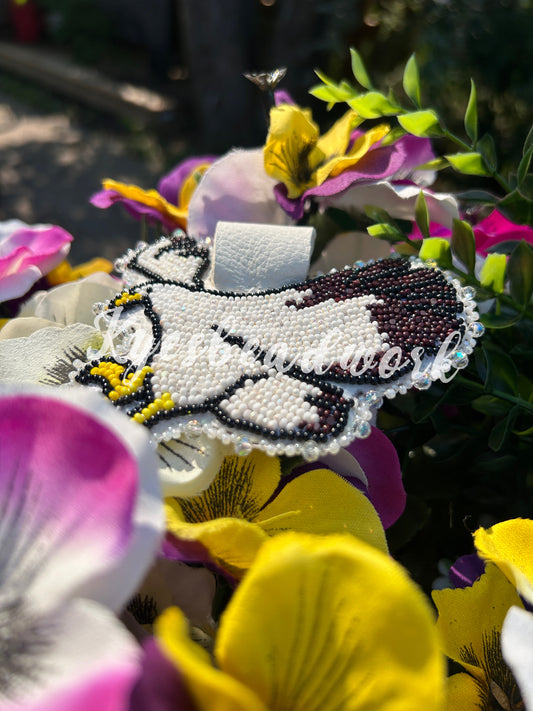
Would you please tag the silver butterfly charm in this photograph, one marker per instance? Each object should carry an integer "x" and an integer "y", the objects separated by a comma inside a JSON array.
[{"x": 293, "y": 370}]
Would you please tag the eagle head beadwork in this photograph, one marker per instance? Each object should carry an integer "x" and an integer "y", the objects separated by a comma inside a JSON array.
[{"x": 292, "y": 370}]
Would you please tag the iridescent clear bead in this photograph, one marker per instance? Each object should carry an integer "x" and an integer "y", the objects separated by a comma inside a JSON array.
[
  {"x": 371, "y": 397},
  {"x": 422, "y": 382},
  {"x": 193, "y": 428},
  {"x": 119, "y": 265},
  {"x": 310, "y": 452},
  {"x": 363, "y": 430},
  {"x": 469, "y": 292},
  {"x": 459, "y": 359},
  {"x": 97, "y": 308},
  {"x": 243, "y": 446},
  {"x": 430, "y": 263},
  {"x": 478, "y": 329}
]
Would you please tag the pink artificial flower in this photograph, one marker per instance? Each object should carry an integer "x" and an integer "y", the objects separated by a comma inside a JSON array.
[
  {"x": 28, "y": 253},
  {"x": 81, "y": 522},
  {"x": 493, "y": 230}
]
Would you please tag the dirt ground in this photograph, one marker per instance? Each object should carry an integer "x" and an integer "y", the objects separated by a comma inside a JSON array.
[{"x": 50, "y": 165}]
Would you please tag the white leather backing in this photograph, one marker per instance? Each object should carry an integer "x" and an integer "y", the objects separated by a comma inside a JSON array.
[{"x": 253, "y": 257}]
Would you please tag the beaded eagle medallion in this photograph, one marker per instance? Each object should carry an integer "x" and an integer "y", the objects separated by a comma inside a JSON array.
[{"x": 293, "y": 370}]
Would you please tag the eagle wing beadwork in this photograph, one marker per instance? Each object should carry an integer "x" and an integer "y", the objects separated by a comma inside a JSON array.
[{"x": 291, "y": 370}]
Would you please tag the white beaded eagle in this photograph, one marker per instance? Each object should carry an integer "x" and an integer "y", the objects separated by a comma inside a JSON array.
[{"x": 293, "y": 370}]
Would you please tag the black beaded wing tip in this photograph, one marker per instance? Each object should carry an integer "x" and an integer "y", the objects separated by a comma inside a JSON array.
[{"x": 295, "y": 370}]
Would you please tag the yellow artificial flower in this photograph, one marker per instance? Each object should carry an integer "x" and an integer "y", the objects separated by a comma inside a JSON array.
[
  {"x": 319, "y": 623},
  {"x": 297, "y": 155},
  {"x": 65, "y": 272},
  {"x": 151, "y": 198},
  {"x": 470, "y": 623},
  {"x": 510, "y": 546},
  {"x": 238, "y": 513}
]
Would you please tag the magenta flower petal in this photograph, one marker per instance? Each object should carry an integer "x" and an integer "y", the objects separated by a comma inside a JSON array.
[
  {"x": 379, "y": 163},
  {"x": 69, "y": 490},
  {"x": 27, "y": 254},
  {"x": 138, "y": 210},
  {"x": 160, "y": 687},
  {"x": 170, "y": 184},
  {"x": 379, "y": 461},
  {"x": 495, "y": 229}
]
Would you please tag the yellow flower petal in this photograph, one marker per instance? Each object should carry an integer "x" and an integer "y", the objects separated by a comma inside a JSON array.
[
  {"x": 190, "y": 184},
  {"x": 338, "y": 164},
  {"x": 150, "y": 198},
  {"x": 232, "y": 542},
  {"x": 291, "y": 138},
  {"x": 211, "y": 689},
  {"x": 65, "y": 272},
  {"x": 335, "y": 142},
  {"x": 471, "y": 618},
  {"x": 510, "y": 545},
  {"x": 464, "y": 693},
  {"x": 321, "y": 502},
  {"x": 323, "y": 623}
]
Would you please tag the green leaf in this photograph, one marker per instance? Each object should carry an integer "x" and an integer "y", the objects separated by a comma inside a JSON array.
[
  {"x": 373, "y": 105},
  {"x": 520, "y": 273},
  {"x": 438, "y": 249},
  {"x": 463, "y": 244},
  {"x": 325, "y": 79},
  {"x": 517, "y": 208},
  {"x": 487, "y": 149},
  {"x": 468, "y": 163},
  {"x": 471, "y": 114},
  {"x": 523, "y": 167},
  {"x": 386, "y": 231},
  {"x": 492, "y": 320},
  {"x": 359, "y": 70},
  {"x": 501, "y": 430},
  {"x": 421, "y": 123},
  {"x": 502, "y": 374},
  {"x": 411, "y": 81},
  {"x": 490, "y": 405},
  {"x": 528, "y": 142},
  {"x": 422, "y": 214},
  {"x": 324, "y": 93},
  {"x": 478, "y": 196},
  {"x": 493, "y": 272},
  {"x": 435, "y": 164},
  {"x": 378, "y": 214}
]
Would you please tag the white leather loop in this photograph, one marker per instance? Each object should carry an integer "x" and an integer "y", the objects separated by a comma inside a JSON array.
[{"x": 252, "y": 257}]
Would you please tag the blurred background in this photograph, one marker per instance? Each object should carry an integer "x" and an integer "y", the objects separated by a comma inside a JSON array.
[{"x": 91, "y": 89}]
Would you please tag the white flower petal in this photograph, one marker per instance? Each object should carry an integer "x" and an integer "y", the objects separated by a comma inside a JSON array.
[
  {"x": 517, "y": 648},
  {"x": 72, "y": 302},
  {"x": 46, "y": 355},
  {"x": 68, "y": 660},
  {"x": 188, "y": 466},
  {"x": 398, "y": 200},
  {"x": 234, "y": 189}
]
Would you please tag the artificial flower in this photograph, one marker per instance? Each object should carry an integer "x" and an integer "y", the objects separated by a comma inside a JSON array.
[
  {"x": 373, "y": 466},
  {"x": 58, "y": 327},
  {"x": 27, "y": 253},
  {"x": 493, "y": 230},
  {"x": 65, "y": 272},
  {"x": 81, "y": 522},
  {"x": 235, "y": 189},
  {"x": 248, "y": 502},
  {"x": 168, "y": 205},
  {"x": 318, "y": 623},
  {"x": 345, "y": 168},
  {"x": 470, "y": 623},
  {"x": 509, "y": 545}
]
